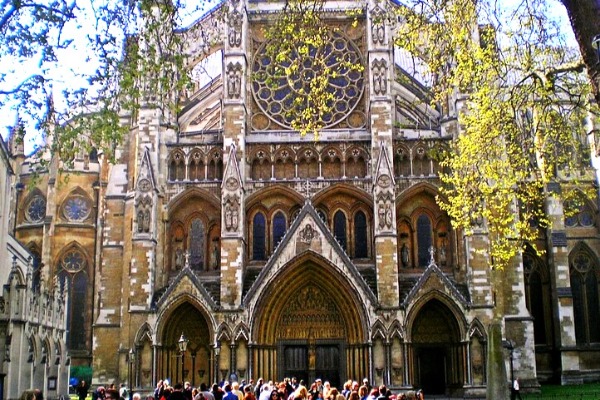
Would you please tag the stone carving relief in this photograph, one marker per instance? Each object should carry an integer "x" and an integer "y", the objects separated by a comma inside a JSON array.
[
  {"x": 405, "y": 255},
  {"x": 144, "y": 185},
  {"x": 232, "y": 183},
  {"x": 308, "y": 238},
  {"x": 385, "y": 211},
  {"x": 234, "y": 80},
  {"x": 377, "y": 25},
  {"x": 235, "y": 28},
  {"x": 307, "y": 234},
  {"x": 379, "y": 71},
  {"x": 232, "y": 213},
  {"x": 215, "y": 256},
  {"x": 179, "y": 258},
  {"x": 143, "y": 209},
  {"x": 310, "y": 314}
]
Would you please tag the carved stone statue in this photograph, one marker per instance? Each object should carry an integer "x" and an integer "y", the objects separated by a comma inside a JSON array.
[
  {"x": 231, "y": 217},
  {"x": 216, "y": 256},
  {"x": 232, "y": 213},
  {"x": 234, "y": 80},
  {"x": 388, "y": 215},
  {"x": 379, "y": 70},
  {"x": 377, "y": 26},
  {"x": 234, "y": 218},
  {"x": 235, "y": 29},
  {"x": 179, "y": 258},
  {"x": 228, "y": 217},
  {"x": 147, "y": 220},
  {"x": 144, "y": 214},
  {"x": 140, "y": 220},
  {"x": 381, "y": 215},
  {"x": 404, "y": 255},
  {"x": 442, "y": 252}
]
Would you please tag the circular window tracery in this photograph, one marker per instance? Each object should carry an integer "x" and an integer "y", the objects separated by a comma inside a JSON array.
[
  {"x": 73, "y": 261},
  {"x": 36, "y": 209},
  {"x": 582, "y": 262},
  {"x": 76, "y": 209},
  {"x": 279, "y": 97}
]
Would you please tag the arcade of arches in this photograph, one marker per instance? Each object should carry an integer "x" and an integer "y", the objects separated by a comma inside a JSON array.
[{"x": 310, "y": 324}]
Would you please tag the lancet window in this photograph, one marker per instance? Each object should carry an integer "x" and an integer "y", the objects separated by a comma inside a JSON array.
[
  {"x": 360, "y": 235},
  {"x": 279, "y": 228},
  {"x": 584, "y": 272},
  {"x": 259, "y": 237},
  {"x": 537, "y": 295},
  {"x": 339, "y": 229},
  {"x": 73, "y": 275},
  {"x": 197, "y": 244},
  {"x": 424, "y": 240}
]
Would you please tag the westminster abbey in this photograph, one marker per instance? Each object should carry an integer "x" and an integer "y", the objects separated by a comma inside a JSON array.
[{"x": 277, "y": 255}]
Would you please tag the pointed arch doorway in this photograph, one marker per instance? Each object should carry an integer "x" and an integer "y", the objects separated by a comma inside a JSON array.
[
  {"x": 310, "y": 325},
  {"x": 438, "y": 354},
  {"x": 195, "y": 364}
]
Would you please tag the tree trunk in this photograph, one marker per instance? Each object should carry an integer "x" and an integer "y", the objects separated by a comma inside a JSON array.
[
  {"x": 497, "y": 387},
  {"x": 585, "y": 21},
  {"x": 497, "y": 379}
]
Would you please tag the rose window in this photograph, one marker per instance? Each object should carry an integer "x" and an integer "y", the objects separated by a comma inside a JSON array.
[
  {"x": 73, "y": 261},
  {"x": 76, "y": 209},
  {"x": 36, "y": 209},
  {"x": 279, "y": 97}
]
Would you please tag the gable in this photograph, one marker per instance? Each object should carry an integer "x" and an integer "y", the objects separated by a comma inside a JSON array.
[{"x": 309, "y": 235}]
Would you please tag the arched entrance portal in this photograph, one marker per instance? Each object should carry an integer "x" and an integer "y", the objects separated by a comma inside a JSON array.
[
  {"x": 437, "y": 361},
  {"x": 310, "y": 325},
  {"x": 195, "y": 365}
]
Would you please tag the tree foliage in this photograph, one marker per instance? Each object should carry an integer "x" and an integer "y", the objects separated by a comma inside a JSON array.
[
  {"x": 300, "y": 45},
  {"x": 128, "y": 55},
  {"x": 522, "y": 107}
]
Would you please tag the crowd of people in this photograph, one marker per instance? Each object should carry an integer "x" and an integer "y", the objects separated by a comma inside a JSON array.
[{"x": 287, "y": 389}]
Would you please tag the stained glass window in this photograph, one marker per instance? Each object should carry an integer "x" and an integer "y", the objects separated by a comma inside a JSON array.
[
  {"x": 197, "y": 238},
  {"x": 339, "y": 228},
  {"x": 586, "y": 306},
  {"x": 73, "y": 261},
  {"x": 279, "y": 98},
  {"x": 258, "y": 237},
  {"x": 424, "y": 239},
  {"x": 584, "y": 217},
  {"x": 76, "y": 209},
  {"x": 537, "y": 294},
  {"x": 279, "y": 227},
  {"x": 36, "y": 209},
  {"x": 360, "y": 235},
  {"x": 73, "y": 276}
]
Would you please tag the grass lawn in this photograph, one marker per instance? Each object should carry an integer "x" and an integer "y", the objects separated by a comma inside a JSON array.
[{"x": 584, "y": 392}]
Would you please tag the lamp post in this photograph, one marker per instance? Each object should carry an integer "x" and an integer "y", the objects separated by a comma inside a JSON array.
[
  {"x": 131, "y": 369},
  {"x": 182, "y": 343},
  {"x": 507, "y": 344},
  {"x": 216, "y": 361}
]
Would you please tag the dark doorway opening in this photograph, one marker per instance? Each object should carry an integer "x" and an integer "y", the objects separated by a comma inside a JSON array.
[
  {"x": 432, "y": 369},
  {"x": 438, "y": 357},
  {"x": 326, "y": 364},
  {"x": 295, "y": 362}
]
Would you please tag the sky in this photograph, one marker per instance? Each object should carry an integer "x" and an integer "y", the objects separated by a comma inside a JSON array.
[{"x": 77, "y": 62}]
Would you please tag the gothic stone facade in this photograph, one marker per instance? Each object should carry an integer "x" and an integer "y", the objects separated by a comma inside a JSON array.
[
  {"x": 280, "y": 256},
  {"x": 32, "y": 314}
]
